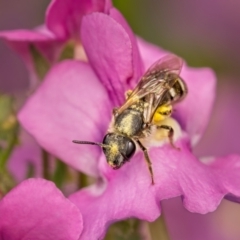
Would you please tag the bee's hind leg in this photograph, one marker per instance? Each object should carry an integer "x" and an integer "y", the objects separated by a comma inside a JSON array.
[
  {"x": 170, "y": 134},
  {"x": 146, "y": 156}
]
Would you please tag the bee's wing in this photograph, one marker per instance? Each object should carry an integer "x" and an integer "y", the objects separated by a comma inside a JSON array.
[
  {"x": 154, "y": 81},
  {"x": 171, "y": 63}
]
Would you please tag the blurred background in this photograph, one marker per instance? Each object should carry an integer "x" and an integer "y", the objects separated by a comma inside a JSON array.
[{"x": 204, "y": 33}]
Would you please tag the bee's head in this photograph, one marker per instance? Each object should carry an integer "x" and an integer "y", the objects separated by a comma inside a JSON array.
[{"x": 119, "y": 149}]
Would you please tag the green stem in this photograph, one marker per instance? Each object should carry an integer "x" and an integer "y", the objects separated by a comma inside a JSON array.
[
  {"x": 46, "y": 165},
  {"x": 7, "y": 182},
  {"x": 82, "y": 180},
  {"x": 59, "y": 173},
  {"x": 41, "y": 64},
  {"x": 11, "y": 144},
  {"x": 30, "y": 171},
  {"x": 158, "y": 229}
]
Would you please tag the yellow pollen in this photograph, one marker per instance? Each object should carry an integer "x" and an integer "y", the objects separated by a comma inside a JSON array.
[
  {"x": 113, "y": 149},
  {"x": 162, "y": 113}
]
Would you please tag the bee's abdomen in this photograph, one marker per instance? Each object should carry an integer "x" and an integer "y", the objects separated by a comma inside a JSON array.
[{"x": 129, "y": 122}]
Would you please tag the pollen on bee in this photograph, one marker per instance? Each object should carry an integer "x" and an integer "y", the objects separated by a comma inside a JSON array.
[
  {"x": 162, "y": 113},
  {"x": 114, "y": 149},
  {"x": 160, "y": 136},
  {"x": 113, "y": 152}
]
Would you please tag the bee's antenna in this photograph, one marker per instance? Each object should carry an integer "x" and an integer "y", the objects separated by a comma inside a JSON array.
[{"x": 90, "y": 143}]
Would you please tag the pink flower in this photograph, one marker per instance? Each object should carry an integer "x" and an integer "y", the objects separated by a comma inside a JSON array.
[
  {"x": 75, "y": 102},
  {"x": 60, "y": 103},
  {"x": 36, "y": 209},
  {"x": 62, "y": 24},
  {"x": 63, "y": 18}
]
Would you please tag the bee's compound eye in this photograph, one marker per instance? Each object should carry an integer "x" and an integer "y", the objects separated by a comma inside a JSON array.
[
  {"x": 130, "y": 149},
  {"x": 105, "y": 139}
]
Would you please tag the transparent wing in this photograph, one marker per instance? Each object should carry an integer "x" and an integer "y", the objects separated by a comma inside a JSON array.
[
  {"x": 158, "y": 79},
  {"x": 169, "y": 62}
]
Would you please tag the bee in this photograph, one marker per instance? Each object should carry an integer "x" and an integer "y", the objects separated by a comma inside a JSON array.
[{"x": 146, "y": 106}]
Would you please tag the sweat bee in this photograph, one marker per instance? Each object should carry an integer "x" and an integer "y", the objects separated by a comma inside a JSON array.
[{"x": 147, "y": 105}]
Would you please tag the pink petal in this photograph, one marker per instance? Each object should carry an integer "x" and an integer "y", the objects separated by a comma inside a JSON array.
[
  {"x": 44, "y": 40},
  {"x": 36, "y": 209},
  {"x": 150, "y": 53},
  {"x": 193, "y": 112},
  {"x": 110, "y": 52},
  {"x": 64, "y": 16},
  {"x": 70, "y": 104},
  {"x": 225, "y": 132},
  {"x": 23, "y": 35},
  {"x": 221, "y": 224},
  {"x": 137, "y": 64},
  {"x": 129, "y": 192},
  {"x": 27, "y": 153}
]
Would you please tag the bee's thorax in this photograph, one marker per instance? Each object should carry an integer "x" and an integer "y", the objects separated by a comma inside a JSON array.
[{"x": 129, "y": 122}]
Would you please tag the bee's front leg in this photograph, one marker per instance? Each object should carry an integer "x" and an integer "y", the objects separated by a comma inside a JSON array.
[
  {"x": 170, "y": 134},
  {"x": 147, "y": 159}
]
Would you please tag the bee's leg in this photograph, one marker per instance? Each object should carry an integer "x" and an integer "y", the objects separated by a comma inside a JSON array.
[
  {"x": 146, "y": 156},
  {"x": 115, "y": 111},
  {"x": 149, "y": 100},
  {"x": 128, "y": 93},
  {"x": 170, "y": 134}
]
